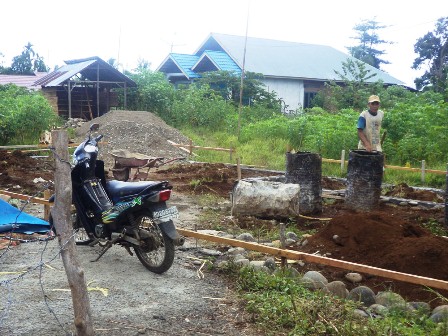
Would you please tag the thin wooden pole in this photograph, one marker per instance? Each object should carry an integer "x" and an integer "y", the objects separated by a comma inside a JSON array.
[
  {"x": 238, "y": 168},
  {"x": 296, "y": 255},
  {"x": 342, "y": 160},
  {"x": 446, "y": 196},
  {"x": 47, "y": 194},
  {"x": 423, "y": 170},
  {"x": 283, "y": 242},
  {"x": 62, "y": 222}
]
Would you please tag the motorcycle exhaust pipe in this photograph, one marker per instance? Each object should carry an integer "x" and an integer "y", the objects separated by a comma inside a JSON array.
[{"x": 179, "y": 241}]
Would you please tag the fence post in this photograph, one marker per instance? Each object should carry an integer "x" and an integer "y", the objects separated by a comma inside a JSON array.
[
  {"x": 47, "y": 195},
  {"x": 423, "y": 170},
  {"x": 231, "y": 150},
  {"x": 238, "y": 168},
  {"x": 191, "y": 146},
  {"x": 446, "y": 197},
  {"x": 342, "y": 160},
  {"x": 282, "y": 242}
]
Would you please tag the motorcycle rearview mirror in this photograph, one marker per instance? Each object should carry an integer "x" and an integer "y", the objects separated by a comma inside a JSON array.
[{"x": 94, "y": 127}]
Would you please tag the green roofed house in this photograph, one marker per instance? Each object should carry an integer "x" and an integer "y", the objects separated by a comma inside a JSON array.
[{"x": 295, "y": 71}]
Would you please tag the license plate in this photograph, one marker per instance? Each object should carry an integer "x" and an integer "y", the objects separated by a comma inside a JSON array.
[{"x": 169, "y": 213}]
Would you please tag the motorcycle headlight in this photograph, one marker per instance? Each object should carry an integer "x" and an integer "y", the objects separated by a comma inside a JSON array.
[{"x": 90, "y": 149}]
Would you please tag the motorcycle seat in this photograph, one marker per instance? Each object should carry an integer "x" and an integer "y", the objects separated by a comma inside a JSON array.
[{"x": 120, "y": 189}]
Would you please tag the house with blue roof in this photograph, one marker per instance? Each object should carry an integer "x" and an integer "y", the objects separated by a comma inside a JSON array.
[{"x": 295, "y": 71}]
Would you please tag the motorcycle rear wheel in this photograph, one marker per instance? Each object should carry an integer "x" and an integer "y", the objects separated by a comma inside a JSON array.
[
  {"x": 157, "y": 252},
  {"x": 79, "y": 233}
]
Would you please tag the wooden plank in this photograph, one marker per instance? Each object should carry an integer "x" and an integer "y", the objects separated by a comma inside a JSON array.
[
  {"x": 26, "y": 197},
  {"x": 205, "y": 148},
  {"x": 41, "y": 146},
  {"x": 183, "y": 148},
  {"x": 295, "y": 255}
]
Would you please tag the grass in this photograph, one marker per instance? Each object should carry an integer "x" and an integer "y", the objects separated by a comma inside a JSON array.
[
  {"x": 270, "y": 154},
  {"x": 280, "y": 305}
]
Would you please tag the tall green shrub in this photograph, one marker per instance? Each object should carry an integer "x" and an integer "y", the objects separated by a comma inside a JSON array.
[
  {"x": 199, "y": 106},
  {"x": 24, "y": 115}
]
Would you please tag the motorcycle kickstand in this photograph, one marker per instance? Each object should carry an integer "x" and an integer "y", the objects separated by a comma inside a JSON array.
[
  {"x": 129, "y": 250},
  {"x": 107, "y": 246}
]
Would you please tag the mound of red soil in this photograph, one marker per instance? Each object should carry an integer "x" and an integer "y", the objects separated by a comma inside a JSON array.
[{"x": 386, "y": 240}]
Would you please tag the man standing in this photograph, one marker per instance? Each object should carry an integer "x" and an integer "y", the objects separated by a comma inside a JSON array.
[{"x": 369, "y": 126}]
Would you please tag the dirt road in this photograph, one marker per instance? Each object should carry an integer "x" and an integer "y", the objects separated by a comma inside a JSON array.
[{"x": 125, "y": 298}]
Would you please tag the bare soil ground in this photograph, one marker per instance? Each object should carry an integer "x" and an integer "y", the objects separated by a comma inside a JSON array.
[{"x": 179, "y": 302}]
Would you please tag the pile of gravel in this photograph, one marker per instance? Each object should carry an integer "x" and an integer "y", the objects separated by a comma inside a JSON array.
[{"x": 136, "y": 131}]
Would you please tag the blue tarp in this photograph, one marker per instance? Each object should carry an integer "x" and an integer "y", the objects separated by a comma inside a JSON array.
[{"x": 12, "y": 220}]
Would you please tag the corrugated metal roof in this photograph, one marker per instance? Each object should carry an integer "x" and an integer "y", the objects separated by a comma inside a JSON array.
[
  {"x": 89, "y": 68},
  {"x": 23, "y": 81},
  {"x": 179, "y": 63},
  {"x": 275, "y": 58},
  {"x": 219, "y": 59}
]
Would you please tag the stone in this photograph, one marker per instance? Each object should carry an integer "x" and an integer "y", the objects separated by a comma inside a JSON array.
[
  {"x": 246, "y": 236},
  {"x": 292, "y": 236},
  {"x": 362, "y": 294},
  {"x": 360, "y": 313},
  {"x": 210, "y": 252},
  {"x": 442, "y": 308},
  {"x": 270, "y": 263},
  {"x": 390, "y": 300},
  {"x": 419, "y": 307},
  {"x": 353, "y": 277},
  {"x": 337, "y": 288},
  {"x": 236, "y": 257},
  {"x": 337, "y": 239},
  {"x": 242, "y": 262},
  {"x": 258, "y": 265},
  {"x": 317, "y": 280},
  {"x": 262, "y": 198},
  {"x": 378, "y": 309},
  {"x": 440, "y": 316},
  {"x": 236, "y": 250}
]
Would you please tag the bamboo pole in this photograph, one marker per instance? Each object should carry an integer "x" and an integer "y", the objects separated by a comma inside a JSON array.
[
  {"x": 295, "y": 255},
  {"x": 62, "y": 222}
]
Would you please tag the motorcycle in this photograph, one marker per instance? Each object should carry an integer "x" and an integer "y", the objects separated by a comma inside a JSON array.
[{"x": 130, "y": 214}]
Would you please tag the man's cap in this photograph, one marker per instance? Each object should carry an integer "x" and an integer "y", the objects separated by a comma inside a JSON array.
[{"x": 374, "y": 99}]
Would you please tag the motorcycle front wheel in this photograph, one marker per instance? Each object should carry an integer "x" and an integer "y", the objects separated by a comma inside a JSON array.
[
  {"x": 79, "y": 233},
  {"x": 156, "y": 252}
]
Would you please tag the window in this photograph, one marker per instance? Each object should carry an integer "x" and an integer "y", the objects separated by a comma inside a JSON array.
[{"x": 309, "y": 96}]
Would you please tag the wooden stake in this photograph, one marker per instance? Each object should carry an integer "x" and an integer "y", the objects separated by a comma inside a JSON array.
[
  {"x": 62, "y": 222},
  {"x": 238, "y": 168},
  {"x": 47, "y": 195}
]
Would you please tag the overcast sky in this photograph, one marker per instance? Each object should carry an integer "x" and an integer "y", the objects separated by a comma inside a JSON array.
[{"x": 142, "y": 29}]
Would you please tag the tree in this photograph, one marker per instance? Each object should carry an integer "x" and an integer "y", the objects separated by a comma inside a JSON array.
[
  {"x": 367, "y": 49},
  {"x": 227, "y": 85},
  {"x": 27, "y": 62},
  {"x": 153, "y": 93},
  {"x": 433, "y": 53},
  {"x": 353, "y": 91}
]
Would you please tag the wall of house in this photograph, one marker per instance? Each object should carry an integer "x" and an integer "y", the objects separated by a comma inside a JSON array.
[{"x": 291, "y": 91}]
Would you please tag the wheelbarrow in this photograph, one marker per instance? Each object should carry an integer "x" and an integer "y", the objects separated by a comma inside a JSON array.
[{"x": 124, "y": 161}]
